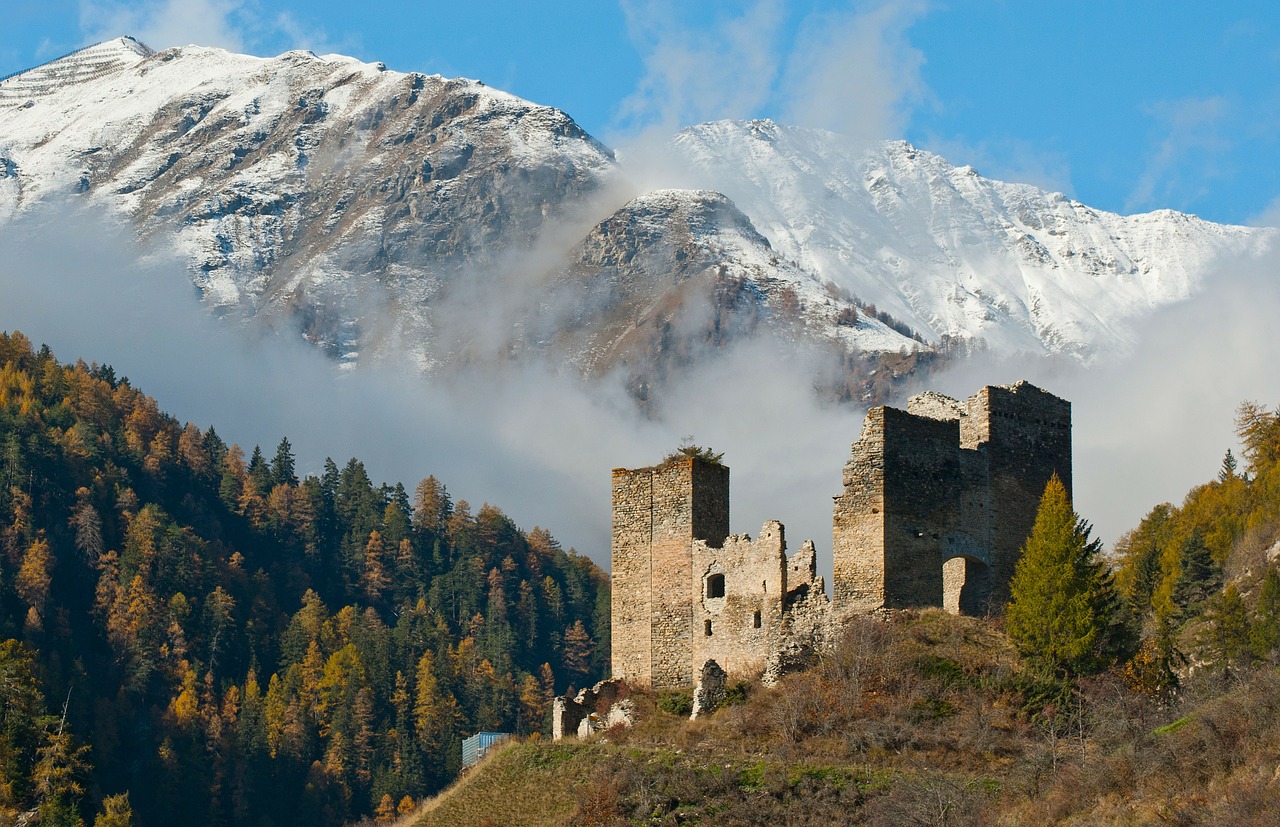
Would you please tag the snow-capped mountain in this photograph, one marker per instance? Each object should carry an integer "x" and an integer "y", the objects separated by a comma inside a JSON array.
[
  {"x": 378, "y": 211},
  {"x": 318, "y": 187},
  {"x": 950, "y": 252}
]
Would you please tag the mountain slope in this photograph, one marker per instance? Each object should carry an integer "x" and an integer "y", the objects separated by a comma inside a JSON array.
[
  {"x": 950, "y": 252},
  {"x": 324, "y": 188}
]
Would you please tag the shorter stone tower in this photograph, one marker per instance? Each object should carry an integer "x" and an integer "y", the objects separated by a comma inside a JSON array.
[{"x": 939, "y": 499}]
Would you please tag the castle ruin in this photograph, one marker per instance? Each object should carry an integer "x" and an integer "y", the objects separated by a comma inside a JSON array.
[{"x": 937, "y": 502}]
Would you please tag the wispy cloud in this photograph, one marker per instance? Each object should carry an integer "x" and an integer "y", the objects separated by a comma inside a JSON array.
[
  {"x": 235, "y": 25},
  {"x": 851, "y": 71},
  {"x": 1269, "y": 217},
  {"x": 1192, "y": 137},
  {"x": 1151, "y": 425},
  {"x": 164, "y": 23},
  {"x": 726, "y": 70},
  {"x": 856, "y": 73}
]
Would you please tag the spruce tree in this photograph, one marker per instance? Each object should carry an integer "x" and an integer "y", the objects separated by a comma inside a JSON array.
[
  {"x": 1199, "y": 575},
  {"x": 282, "y": 469},
  {"x": 1062, "y": 609},
  {"x": 1264, "y": 636},
  {"x": 1228, "y": 469}
]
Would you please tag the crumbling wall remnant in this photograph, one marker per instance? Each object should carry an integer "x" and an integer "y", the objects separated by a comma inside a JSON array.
[{"x": 709, "y": 691}]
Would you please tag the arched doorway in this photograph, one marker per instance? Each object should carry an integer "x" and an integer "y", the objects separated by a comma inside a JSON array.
[{"x": 966, "y": 586}]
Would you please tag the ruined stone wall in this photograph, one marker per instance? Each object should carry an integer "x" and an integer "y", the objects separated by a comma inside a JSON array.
[
  {"x": 658, "y": 513},
  {"x": 631, "y": 609},
  {"x": 739, "y": 629},
  {"x": 937, "y": 502},
  {"x": 901, "y": 500},
  {"x": 857, "y": 536},
  {"x": 921, "y": 504}
]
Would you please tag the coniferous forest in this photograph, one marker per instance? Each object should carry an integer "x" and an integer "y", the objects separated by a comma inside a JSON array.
[{"x": 188, "y": 630}]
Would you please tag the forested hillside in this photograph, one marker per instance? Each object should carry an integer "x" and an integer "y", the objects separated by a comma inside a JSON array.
[
  {"x": 228, "y": 643},
  {"x": 1202, "y": 577}
]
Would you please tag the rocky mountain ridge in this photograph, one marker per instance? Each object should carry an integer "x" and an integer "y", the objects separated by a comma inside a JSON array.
[{"x": 378, "y": 212}]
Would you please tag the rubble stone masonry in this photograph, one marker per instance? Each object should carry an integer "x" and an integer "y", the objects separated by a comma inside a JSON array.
[{"x": 937, "y": 501}]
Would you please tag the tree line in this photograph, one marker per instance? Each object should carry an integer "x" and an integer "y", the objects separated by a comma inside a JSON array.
[
  {"x": 1193, "y": 589},
  {"x": 189, "y": 632}
]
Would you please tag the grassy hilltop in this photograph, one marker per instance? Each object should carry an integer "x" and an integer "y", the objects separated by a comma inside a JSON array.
[
  {"x": 933, "y": 719},
  {"x": 929, "y": 719}
]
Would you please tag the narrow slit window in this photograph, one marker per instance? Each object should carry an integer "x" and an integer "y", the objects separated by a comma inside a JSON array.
[
  {"x": 715, "y": 585},
  {"x": 708, "y": 628},
  {"x": 755, "y": 621}
]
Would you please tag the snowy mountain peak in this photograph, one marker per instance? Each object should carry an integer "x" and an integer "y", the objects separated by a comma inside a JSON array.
[
  {"x": 952, "y": 253},
  {"x": 78, "y": 67},
  {"x": 354, "y": 204}
]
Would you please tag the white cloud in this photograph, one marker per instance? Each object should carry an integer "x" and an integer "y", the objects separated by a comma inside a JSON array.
[
  {"x": 235, "y": 25},
  {"x": 852, "y": 72},
  {"x": 165, "y": 23},
  {"x": 1193, "y": 136},
  {"x": 1151, "y": 425},
  {"x": 1269, "y": 217},
  {"x": 856, "y": 74},
  {"x": 726, "y": 71}
]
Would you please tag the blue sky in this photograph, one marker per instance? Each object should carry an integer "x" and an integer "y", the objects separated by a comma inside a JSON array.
[{"x": 1126, "y": 106}]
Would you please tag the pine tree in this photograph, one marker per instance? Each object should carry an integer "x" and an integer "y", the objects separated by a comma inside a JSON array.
[
  {"x": 282, "y": 470},
  {"x": 1228, "y": 469},
  {"x": 1061, "y": 611},
  {"x": 1264, "y": 637},
  {"x": 1199, "y": 575},
  {"x": 260, "y": 473}
]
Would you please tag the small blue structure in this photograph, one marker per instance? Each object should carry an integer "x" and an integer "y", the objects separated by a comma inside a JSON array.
[{"x": 474, "y": 748}]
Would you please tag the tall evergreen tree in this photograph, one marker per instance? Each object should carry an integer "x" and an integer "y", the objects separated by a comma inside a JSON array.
[
  {"x": 1228, "y": 469},
  {"x": 282, "y": 470},
  {"x": 1062, "y": 612},
  {"x": 1264, "y": 636},
  {"x": 1199, "y": 575}
]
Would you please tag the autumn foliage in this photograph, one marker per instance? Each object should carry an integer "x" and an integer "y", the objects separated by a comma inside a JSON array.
[{"x": 241, "y": 645}]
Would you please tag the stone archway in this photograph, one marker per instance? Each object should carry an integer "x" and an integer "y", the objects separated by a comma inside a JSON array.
[
  {"x": 966, "y": 586},
  {"x": 966, "y": 575}
]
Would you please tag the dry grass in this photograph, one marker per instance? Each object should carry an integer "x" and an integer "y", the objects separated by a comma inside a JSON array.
[{"x": 928, "y": 719}]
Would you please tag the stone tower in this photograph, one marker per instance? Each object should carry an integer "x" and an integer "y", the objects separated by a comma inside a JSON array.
[
  {"x": 1025, "y": 433},
  {"x": 939, "y": 499},
  {"x": 658, "y": 513}
]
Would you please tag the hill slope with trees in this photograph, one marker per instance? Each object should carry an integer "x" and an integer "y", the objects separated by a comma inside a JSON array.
[
  {"x": 1140, "y": 688},
  {"x": 213, "y": 636}
]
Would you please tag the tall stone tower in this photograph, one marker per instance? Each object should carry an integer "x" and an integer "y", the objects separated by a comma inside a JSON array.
[
  {"x": 657, "y": 514},
  {"x": 1025, "y": 433},
  {"x": 901, "y": 498}
]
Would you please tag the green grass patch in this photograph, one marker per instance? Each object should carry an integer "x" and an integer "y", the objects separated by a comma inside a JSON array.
[{"x": 1175, "y": 726}]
